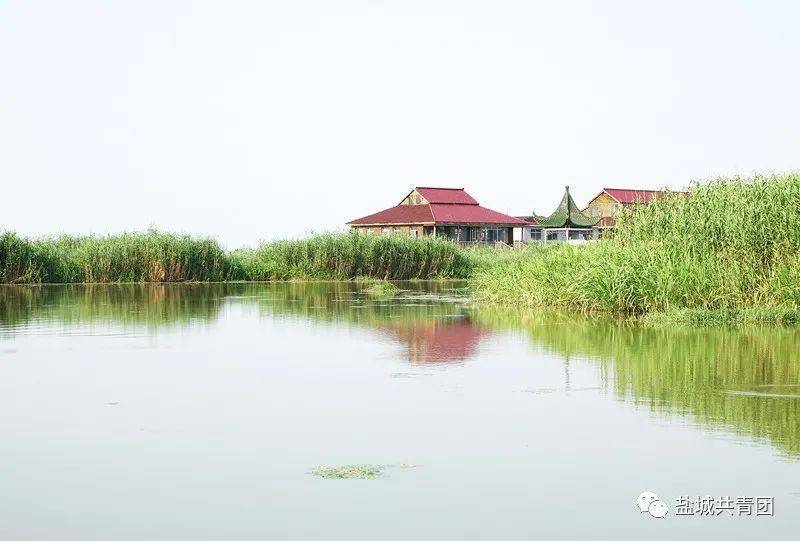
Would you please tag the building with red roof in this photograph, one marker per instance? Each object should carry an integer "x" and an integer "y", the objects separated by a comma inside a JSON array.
[
  {"x": 446, "y": 212},
  {"x": 605, "y": 205}
]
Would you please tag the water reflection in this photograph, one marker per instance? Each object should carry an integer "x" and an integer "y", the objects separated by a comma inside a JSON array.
[
  {"x": 149, "y": 305},
  {"x": 442, "y": 340},
  {"x": 428, "y": 319},
  {"x": 743, "y": 380}
]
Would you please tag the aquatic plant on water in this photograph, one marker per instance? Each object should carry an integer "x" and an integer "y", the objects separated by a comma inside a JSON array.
[{"x": 357, "y": 471}]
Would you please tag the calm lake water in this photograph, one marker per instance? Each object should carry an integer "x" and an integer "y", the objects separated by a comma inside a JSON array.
[{"x": 193, "y": 412}]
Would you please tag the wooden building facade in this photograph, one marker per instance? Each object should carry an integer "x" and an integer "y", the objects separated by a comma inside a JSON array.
[{"x": 605, "y": 205}]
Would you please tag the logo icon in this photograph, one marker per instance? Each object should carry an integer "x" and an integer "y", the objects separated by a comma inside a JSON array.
[{"x": 649, "y": 502}]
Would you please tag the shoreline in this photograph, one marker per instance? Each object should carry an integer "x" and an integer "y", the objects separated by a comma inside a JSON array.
[{"x": 748, "y": 316}]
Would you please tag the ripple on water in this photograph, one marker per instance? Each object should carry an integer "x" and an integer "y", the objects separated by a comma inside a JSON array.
[
  {"x": 34, "y": 328},
  {"x": 762, "y": 394}
]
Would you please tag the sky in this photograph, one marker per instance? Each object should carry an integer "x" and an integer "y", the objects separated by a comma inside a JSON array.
[{"x": 260, "y": 120}]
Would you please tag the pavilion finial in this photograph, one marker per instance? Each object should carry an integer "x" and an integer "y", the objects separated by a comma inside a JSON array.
[{"x": 567, "y": 188}]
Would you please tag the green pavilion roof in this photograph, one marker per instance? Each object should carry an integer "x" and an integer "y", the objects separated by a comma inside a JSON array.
[{"x": 566, "y": 215}]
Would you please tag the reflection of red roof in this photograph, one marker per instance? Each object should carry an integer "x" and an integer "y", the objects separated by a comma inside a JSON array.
[
  {"x": 446, "y": 205},
  {"x": 626, "y": 196},
  {"x": 437, "y": 342},
  {"x": 451, "y": 196}
]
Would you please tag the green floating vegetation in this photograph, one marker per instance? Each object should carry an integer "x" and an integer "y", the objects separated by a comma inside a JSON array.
[
  {"x": 381, "y": 290},
  {"x": 358, "y": 471},
  {"x": 731, "y": 243}
]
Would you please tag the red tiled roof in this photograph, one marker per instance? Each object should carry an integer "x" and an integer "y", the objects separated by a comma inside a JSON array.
[
  {"x": 472, "y": 214},
  {"x": 401, "y": 214},
  {"x": 446, "y": 196},
  {"x": 626, "y": 196},
  {"x": 447, "y": 205},
  {"x": 440, "y": 213}
]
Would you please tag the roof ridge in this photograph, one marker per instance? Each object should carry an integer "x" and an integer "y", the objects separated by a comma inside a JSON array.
[
  {"x": 452, "y": 203},
  {"x": 436, "y": 188},
  {"x": 637, "y": 189}
]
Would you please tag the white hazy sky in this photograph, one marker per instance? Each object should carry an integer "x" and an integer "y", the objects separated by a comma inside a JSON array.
[{"x": 258, "y": 120}]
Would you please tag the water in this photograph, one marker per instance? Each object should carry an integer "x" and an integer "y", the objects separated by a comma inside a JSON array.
[{"x": 196, "y": 412}]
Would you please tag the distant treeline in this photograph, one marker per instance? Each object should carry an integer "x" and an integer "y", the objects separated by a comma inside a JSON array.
[{"x": 165, "y": 257}]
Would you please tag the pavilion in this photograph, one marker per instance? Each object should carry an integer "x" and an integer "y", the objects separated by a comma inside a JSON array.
[{"x": 566, "y": 224}]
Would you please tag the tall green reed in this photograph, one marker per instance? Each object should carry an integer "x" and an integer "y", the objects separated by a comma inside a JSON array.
[
  {"x": 164, "y": 257},
  {"x": 131, "y": 257},
  {"x": 729, "y": 243},
  {"x": 350, "y": 255}
]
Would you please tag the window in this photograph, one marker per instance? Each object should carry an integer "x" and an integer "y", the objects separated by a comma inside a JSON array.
[
  {"x": 386, "y": 231},
  {"x": 413, "y": 232},
  {"x": 552, "y": 235},
  {"x": 398, "y": 231}
]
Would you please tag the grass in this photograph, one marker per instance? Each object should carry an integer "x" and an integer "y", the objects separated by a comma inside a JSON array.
[{"x": 731, "y": 244}]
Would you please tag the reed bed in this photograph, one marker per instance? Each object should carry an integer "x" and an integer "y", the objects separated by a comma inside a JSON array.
[
  {"x": 349, "y": 256},
  {"x": 730, "y": 243},
  {"x": 131, "y": 257},
  {"x": 164, "y": 257}
]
